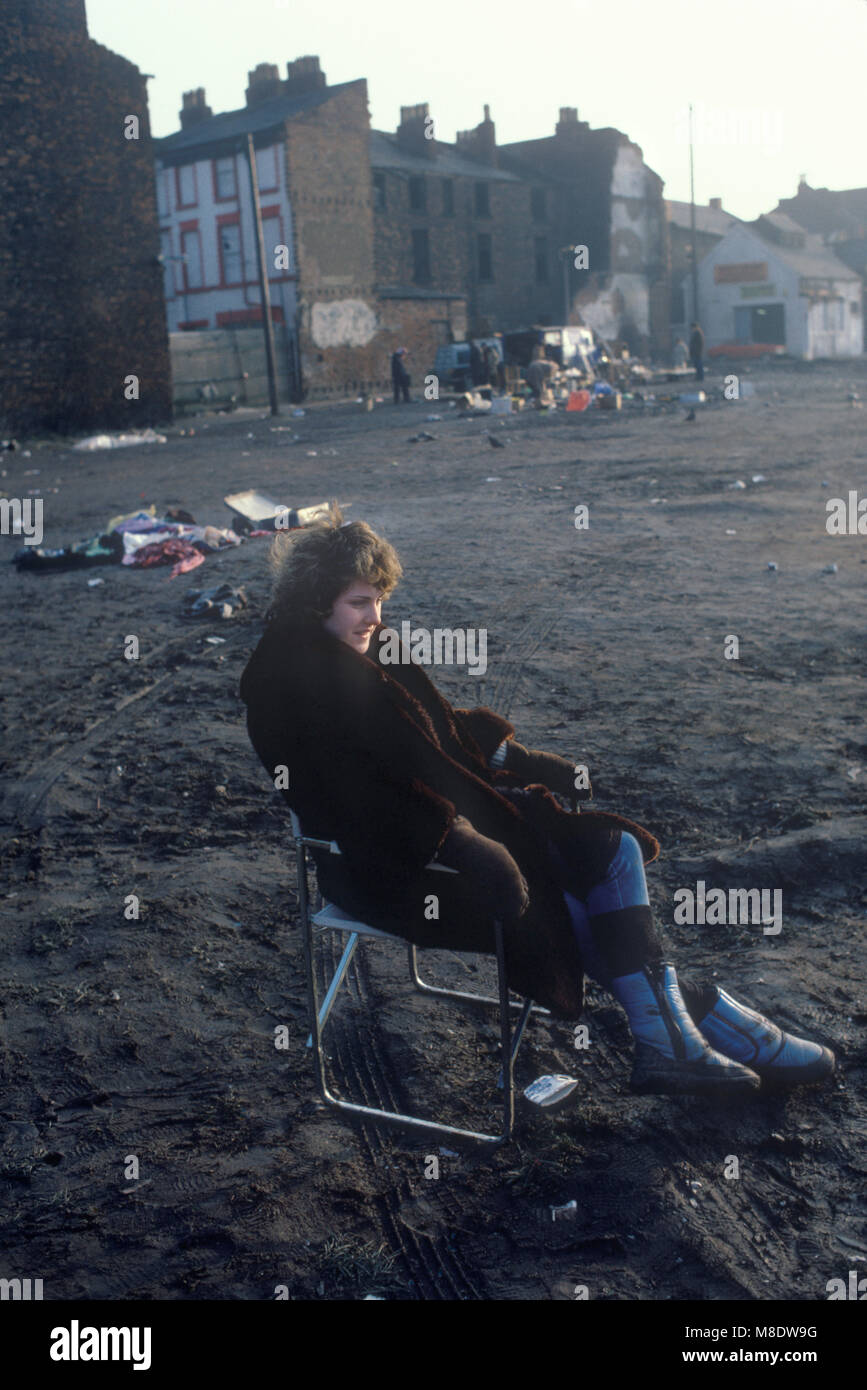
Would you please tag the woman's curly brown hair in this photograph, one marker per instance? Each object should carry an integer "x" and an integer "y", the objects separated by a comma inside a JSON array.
[{"x": 311, "y": 568}]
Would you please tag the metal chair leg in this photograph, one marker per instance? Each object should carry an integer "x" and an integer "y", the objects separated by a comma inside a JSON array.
[
  {"x": 443, "y": 993},
  {"x": 319, "y": 1017},
  {"x": 508, "y": 1055}
]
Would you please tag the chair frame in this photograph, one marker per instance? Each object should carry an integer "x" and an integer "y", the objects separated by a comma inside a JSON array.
[{"x": 333, "y": 918}]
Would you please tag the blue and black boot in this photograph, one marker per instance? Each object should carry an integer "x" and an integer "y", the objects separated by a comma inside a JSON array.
[
  {"x": 672, "y": 1057},
  {"x": 748, "y": 1037}
]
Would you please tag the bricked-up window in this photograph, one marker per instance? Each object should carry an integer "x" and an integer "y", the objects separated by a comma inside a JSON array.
[
  {"x": 227, "y": 183},
  {"x": 678, "y": 304},
  {"x": 420, "y": 256},
  {"x": 483, "y": 200},
  {"x": 538, "y": 204},
  {"x": 230, "y": 253},
  {"x": 541, "y": 249},
  {"x": 486, "y": 259},
  {"x": 448, "y": 197},
  {"x": 379, "y": 193},
  {"x": 417, "y": 195}
]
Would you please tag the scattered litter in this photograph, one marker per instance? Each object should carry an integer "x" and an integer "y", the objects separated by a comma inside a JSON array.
[
  {"x": 30, "y": 472},
  {"x": 825, "y": 483},
  {"x": 435, "y": 417},
  {"x": 92, "y": 583},
  {"x": 578, "y": 400},
  {"x": 759, "y": 478},
  {"x": 729, "y": 532},
  {"x": 9, "y": 445},
  {"x": 421, "y": 437},
  {"x": 311, "y": 453},
  {"x": 692, "y": 398},
  {"x": 471, "y": 400},
  {"x": 120, "y": 441},
  {"x": 568, "y": 1210},
  {"x": 297, "y": 414},
  {"x": 493, "y": 480},
  {"x": 216, "y": 641},
  {"x": 373, "y": 1298},
  {"x": 448, "y": 1153},
  {"x": 738, "y": 484},
  {"x": 772, "y": 564},
  {"x": 550, "y": 1089},
  {"x": 255, "y": 512},
  {"x": 853, "y": 771},
  {"x": 496, "y": 443},
  {"x": 830, "y": 569},
  {"x": 221, "y": 601}
]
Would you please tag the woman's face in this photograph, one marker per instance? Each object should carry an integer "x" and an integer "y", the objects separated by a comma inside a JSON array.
[{"x": 355, "y": 614}]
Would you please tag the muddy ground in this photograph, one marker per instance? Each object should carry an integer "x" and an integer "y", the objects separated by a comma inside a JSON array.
[{"x": 154, "y": 1038}]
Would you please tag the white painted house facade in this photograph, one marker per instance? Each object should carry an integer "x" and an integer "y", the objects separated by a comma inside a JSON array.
[
  {"x": 772, "y": 282},
  {"x": 208, "y": 242}
]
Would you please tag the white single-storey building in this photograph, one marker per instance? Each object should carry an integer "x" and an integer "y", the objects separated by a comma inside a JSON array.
[{"x": 772, "y": 282}]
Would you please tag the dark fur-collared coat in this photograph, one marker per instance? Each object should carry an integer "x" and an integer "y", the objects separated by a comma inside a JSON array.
[{"x": 380, "y": 762}]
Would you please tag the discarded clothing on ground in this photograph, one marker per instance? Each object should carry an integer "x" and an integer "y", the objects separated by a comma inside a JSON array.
[
  {"x": 222, "y": 601},
  {"x": 139, "y": 538}
]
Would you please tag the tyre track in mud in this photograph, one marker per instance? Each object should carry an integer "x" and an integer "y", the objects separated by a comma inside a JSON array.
[{"x": 436, "y": 1271}]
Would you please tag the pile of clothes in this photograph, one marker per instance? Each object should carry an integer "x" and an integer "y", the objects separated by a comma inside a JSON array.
[{"x": 141, "y": 538}]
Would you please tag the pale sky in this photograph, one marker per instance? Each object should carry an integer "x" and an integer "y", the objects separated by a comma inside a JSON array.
[{"x": 778, "y": 86}]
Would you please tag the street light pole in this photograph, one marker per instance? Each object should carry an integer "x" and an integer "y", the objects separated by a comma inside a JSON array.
[{"x": 692, "y": 225}]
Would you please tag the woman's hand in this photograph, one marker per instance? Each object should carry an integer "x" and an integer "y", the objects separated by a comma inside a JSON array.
[
  {"x": 548, "y": 768},
  {"x": 493, "y": 878}
]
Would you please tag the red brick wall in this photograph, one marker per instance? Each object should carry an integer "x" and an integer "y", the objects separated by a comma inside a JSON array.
[{"x": 81, "y": 291}]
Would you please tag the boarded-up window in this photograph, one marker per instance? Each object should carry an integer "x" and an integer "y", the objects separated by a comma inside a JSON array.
[
  {"x": 191, "y": 250},
  {"x": 187, "y": 184},
  {"x": 747, "y": 272},
  {"x": 541, "y": 250},
  {"x": 230, "y": 253},
  {"x": 417, "y": 195},
  {"x": 486, "y": 259},
  {"x": 420, "y": 256},
  {"x": 227, "y": 184}
]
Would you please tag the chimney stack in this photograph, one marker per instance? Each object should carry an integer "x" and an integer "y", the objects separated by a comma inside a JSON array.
[
  {"x": 195, "y": 108},
  {"x": 568, "y": 124},
  {"x": 715, "y": 204},
  {"x": 304, "y": 75},
  {"x": 480, "y": 142},
  {"x": 263, "y": 83},
  {"x": 414, "y": 122}
]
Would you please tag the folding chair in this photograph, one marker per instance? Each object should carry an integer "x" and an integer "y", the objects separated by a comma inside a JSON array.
[{"x": 333, "y": 918}]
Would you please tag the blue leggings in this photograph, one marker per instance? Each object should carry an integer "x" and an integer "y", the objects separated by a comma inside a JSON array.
[{"x": 624, "y": 885}]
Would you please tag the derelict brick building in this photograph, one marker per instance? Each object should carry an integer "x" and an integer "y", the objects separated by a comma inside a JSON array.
[
  {"x": 81, "y": 301},
  {"x": 495, "y": 224},
  {"x": 311, "y": 148}
]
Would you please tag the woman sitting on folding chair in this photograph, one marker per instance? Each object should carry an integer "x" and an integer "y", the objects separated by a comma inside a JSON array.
[{"x": 368, "y": 753}]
